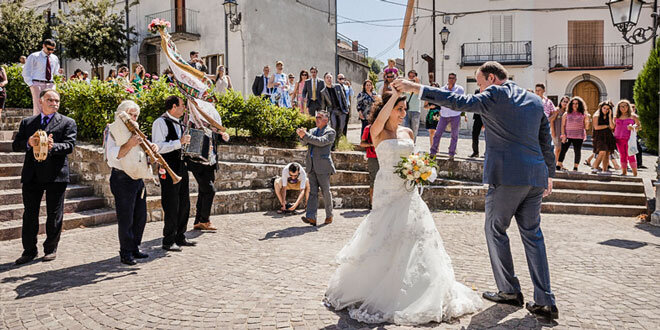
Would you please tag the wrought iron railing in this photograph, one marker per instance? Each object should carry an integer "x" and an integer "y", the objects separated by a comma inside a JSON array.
[
  {"x": 182, "y": 19},
  {"x": 594, "y": 56},
  {"x": 505, "y": 52},
  {"x": 360, "y": 54}
]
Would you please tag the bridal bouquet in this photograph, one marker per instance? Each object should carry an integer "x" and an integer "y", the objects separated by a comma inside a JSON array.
[
  {"x": 417, "y": 170},
  {"x": 157, "y": 23}
]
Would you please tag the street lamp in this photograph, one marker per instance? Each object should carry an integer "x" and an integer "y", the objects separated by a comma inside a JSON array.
[
  {"x": 444, "y": 36},
  {"x": 231, "y": 15},
  {"x": 625, "y": 15}
]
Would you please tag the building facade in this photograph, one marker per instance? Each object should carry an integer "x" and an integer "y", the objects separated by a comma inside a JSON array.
[{"x": 570, "y": 46}]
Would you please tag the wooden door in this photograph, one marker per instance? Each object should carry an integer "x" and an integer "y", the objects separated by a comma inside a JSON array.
[
  {"x": 589, "y": 92},
  {"x": 585, "y": 43},
  {"x": 180, "y": 15}
]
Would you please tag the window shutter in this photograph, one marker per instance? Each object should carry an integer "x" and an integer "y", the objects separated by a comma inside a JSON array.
[
  {"x": 496, "y": 28},
  {"x": 507, "y": 28}
]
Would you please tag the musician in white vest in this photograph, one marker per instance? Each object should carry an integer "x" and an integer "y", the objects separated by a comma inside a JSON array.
[{"x": 129, "y": 166}]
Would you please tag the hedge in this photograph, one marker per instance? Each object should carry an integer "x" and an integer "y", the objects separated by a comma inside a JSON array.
[
  {"x": 646, "y": 98},
  {"x": 18, "y": 93}
]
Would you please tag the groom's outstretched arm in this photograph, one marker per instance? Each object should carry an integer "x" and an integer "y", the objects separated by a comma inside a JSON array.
[{"x": 479, "y": 103}]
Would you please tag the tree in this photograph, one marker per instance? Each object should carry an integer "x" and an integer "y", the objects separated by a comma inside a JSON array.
[
  {"x": 21, "y": 31},
  {"x": 93, "y": 33},
  {"x": 374, "y": 68},
  {"x": 646, "y": 90}
]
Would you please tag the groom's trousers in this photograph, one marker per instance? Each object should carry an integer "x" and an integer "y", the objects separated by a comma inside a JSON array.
[{"x": 524, "y": 202}]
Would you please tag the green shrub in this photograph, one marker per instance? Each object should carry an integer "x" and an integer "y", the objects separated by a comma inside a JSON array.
[
  {"x": 18, "y": 93},
  {"x": 646, "y": 99}
]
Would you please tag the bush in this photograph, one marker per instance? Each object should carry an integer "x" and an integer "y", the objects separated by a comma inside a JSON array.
[
  {"x": 646, "y": 99},
  {"x": 18, "y": 93}
]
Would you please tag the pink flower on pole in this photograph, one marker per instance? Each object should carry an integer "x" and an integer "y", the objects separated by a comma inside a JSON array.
[
  {"x": 154, "y": 77},
  {"x": 147, "y": 75},
  {"x": 130, "y": 90}
]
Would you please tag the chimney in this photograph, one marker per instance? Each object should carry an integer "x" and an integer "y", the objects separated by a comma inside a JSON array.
[{"x": 355, "y": 45}]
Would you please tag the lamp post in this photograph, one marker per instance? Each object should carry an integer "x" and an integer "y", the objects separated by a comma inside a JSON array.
[
  {"x": 231, "y": 16},
  {"x": 625, "y": 15},
  {"x": 444, "y": 36}
]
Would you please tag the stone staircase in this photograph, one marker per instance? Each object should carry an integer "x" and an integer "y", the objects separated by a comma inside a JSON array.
[{"x": 81, "y": 207}]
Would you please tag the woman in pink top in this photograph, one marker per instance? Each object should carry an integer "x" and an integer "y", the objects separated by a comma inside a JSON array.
[
  {"x": 298, "y": 92},
  {"x": 573, "y": 130},
  {"x": 625, "y": 122}
]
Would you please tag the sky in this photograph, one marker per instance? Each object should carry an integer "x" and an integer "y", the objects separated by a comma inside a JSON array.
[{"x": 378, "y": 39}]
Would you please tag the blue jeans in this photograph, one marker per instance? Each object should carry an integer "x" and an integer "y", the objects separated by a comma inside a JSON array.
[{"x": 412, "y": 122}]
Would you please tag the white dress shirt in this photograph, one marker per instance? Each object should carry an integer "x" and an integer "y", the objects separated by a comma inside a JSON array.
[
  {"x": 159, "y": 133},
  {"x": 35, "y": 67},
  {"x": 302, "y": 176},
  {"x": 111, "y": 152},
  {"x": 447, "y": 112}
]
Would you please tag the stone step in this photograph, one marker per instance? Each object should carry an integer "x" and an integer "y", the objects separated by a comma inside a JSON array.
[
  {"x": 14, "y": 182},
  {"x": 9, "y": 126},
  {"x": 17, "y": 112},
  {"x": 10, "y": 119},
  {"x": 76, "y": 204},
  {"x": 603, "y": 186},
  {"x": 12, "y": 157},
  {"x": 11, "y": 169},
  {"x": 5, "y": 146},
  {"x": 7, "y": 135},
  {"x": 570, "y": 175},
  {"x": 593, "y": 209},
  {"x": 15, "y": 196},
  {"x": 12, "y": 229},
  {"x": 595, "y": 197}
]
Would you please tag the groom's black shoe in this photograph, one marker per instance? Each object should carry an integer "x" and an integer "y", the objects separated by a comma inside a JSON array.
[
  {"x": 515, "y": 299},
  {"x": 549, "y": 312}
]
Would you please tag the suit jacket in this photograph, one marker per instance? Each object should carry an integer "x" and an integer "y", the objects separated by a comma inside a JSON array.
[
  {"x": 318, "y": 150},
  {"x": 307, "y": 90},
  {"x": 56, "y": 166},
  {"x": 326, "y": 102},
  {"x": 258, "y": 85},
  {"x": 519, "y": 148}
]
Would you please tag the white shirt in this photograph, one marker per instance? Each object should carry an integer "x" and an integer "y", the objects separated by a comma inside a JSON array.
[
  {"x": 35, "y": 67},
  {"x": 302, "y": 176},
  {"x": 159, "y": 133},
  {"x": 447, "y": 112},
  {"x": 112, "y": 151}
]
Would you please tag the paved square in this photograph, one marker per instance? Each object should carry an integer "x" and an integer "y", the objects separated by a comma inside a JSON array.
[{"x": 261, "y": 271}]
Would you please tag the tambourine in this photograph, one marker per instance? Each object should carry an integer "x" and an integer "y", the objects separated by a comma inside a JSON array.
[{"x": 41, "y": 150}]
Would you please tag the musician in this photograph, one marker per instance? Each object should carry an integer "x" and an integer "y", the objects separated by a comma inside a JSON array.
[
  {"x": 51, "y": 175},
  {"x": 129, "y": 167},
  {"x": 204, "y": 172},
  {"x": 166, "y": 133}
]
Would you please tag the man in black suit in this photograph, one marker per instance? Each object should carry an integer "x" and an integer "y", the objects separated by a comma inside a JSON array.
[
  {"x": 333, "y": 100},
  {"x": 260, "y": 84},
  {"x": 50, "y": 175},
  {"x": 312, "y": 92}
]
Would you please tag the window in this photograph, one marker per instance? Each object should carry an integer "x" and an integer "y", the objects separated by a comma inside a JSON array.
[
  {"x": 212, "y": 62},
  {"x": 501, "y": 28},
  {"x": 554, "y": 99},
  {"x": 627, "y": 86}
]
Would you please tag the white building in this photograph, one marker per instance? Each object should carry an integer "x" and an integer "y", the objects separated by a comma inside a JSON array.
[
  {"x": 572, "y": 51},
  {"x": 301, "y": 33}
]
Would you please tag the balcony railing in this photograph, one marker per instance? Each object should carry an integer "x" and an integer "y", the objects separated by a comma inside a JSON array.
[
  {"x": 593, "y": 57},
  {"x": 183, "y": 20},
  {"x": 354, "y": 51},
  {"x": 505, "y": 52}
]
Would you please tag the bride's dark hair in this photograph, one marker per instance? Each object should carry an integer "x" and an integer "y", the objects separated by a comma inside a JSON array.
[{"x": 380, "y": 103}]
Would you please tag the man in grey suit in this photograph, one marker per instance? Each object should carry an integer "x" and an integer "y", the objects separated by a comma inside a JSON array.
[
  {"x": 319, "y": 166},
  {"x": 333, "y": 100},
  {"x": 312, "y": 92},
  {"x": 519, "y": 167}
]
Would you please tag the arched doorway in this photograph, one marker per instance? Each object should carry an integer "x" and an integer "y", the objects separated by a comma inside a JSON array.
[{"x": 590, "y": 93}]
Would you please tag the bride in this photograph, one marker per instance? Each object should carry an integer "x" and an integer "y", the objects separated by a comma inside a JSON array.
[{"x": 395, "y": 268}]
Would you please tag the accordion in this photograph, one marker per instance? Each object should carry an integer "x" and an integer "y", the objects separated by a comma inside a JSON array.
[{"x": 198, "y": 148}]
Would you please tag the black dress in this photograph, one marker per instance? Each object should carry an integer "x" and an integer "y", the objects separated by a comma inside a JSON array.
[{"x": 603, "y": 139}]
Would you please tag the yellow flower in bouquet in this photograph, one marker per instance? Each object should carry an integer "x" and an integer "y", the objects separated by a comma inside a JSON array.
[{"x": 417, "y": 170}]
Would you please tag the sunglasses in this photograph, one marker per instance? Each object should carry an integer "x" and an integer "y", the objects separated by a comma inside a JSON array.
[
  {"x": 305, "y": 75},
  {"x": 50, "y": 49}
]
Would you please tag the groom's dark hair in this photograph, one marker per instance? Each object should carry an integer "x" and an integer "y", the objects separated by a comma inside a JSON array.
[{"x": 495, "y": 68}]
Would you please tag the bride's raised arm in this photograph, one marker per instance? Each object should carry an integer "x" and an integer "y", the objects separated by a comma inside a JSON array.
[{"x": 383, "y": 116}]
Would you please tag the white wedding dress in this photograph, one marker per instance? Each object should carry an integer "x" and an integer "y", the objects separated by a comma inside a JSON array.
[{"x": 395, "y": 268}]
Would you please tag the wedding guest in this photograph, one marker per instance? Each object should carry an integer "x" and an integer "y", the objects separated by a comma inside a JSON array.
[
  {"x": 391, "y": 68},
  {"x": 169, "y": 76},
  {"x": 573, "y": 130},
  {"x": 77, "y": 75},
  {"x": 50, "y": 176},
  {"x": 385, "y": 87},
  {"x": 299, "y": 101},
  {"x": 603, "y": 139},
  {"x": 312, "y": 92},
  {"x": 372, "y": 158},
  {"x": 196, "y": 62},
  {"x": 334, "y": 102},
  {"x": 122, "y": 72},
  {"x": 3, "y": 92},
  {"x": 548, "y": 107},
  {"x": 278, "y": 84},
  {"x": 260, "y": 84},
  {"x": 291, "y": 87},
  {"x": 365, "y": 100},
  {"x": 555, "y": 124},
  {"x": 39, "y": 71},
  {"x": 625, "y": 122},
  {"x": 346, "y": 85},
  {"x": 448, "y": 117},
  {"x": 222, "y": 81},
  {"x": 85, "y": 77},
  {"x": 477, "y": 127},
  {"x": 293, "y": 178},
  {"x": 137, "y": 79},
  {"x": 22, "y": 60},
  {"x": 413, "y": 108},
  {"x": 432, "y": 116},
  {"x": 112, "y": 75},
  {"x": 319, "y": 165}
]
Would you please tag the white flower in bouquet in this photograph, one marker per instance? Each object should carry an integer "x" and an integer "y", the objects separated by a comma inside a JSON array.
[
  {"x": 417, "y": 174},
  {"x": 410, "y": 177}
]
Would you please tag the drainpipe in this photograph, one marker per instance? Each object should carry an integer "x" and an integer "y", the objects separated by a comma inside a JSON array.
[
  {"x": 435, "y": 57},
  {"x": 128, "y": 36}
]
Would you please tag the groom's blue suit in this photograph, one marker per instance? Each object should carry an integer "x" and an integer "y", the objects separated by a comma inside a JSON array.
[{"x": 519, "y": 158}]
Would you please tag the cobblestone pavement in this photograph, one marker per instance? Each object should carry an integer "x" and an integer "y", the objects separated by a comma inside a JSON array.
[{"x": 262, "y": 271}]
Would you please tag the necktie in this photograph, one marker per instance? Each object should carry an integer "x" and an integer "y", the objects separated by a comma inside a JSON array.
[
  {"x": 316, "y": 133},
  {"x": 48, "y": 73},
  {"x": 314, "y": 90},
  {"x": 44, "y": 122},
  {"x": 266, "y": 85}
]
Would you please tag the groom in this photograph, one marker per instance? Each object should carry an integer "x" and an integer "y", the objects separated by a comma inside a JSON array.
[{"x": 519, "y": 167}]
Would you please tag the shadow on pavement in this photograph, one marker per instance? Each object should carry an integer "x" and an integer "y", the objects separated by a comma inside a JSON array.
[
  {"x": 645, "y": 226},
  {"x": 624, "y": 243},
  {"x": 290, "y": 232},
  {"x": 354, "y": 214},
  {"x": 491, "y": 317},
  {"x": 81, "y": 275}
]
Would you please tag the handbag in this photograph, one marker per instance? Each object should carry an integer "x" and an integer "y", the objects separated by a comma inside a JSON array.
[{"x": 632, "y": 142}]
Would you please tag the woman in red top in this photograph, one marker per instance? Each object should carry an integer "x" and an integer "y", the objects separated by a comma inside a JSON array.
[{"x": 372, "y": 158}]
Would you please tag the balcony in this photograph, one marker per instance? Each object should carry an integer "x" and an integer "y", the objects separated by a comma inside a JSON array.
[
  {"x": 351, "y": 49},
  {"x": 504, "y": 52},
  {"x": 591, "y": 57},
  {"x": 184, "y": 23}
]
